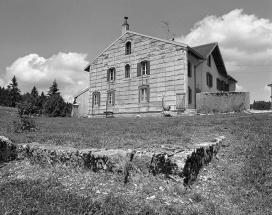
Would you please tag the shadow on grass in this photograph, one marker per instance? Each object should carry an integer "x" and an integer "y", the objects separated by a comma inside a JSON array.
[{"x": 50, "y": 197}]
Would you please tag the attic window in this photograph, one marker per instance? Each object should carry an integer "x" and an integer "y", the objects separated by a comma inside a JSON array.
[
  {"x": 128, "y": 48},
  {"x": 209, "y": 61}
]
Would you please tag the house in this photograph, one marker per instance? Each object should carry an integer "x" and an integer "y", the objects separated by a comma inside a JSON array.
[{"x": 138, "y": 74}]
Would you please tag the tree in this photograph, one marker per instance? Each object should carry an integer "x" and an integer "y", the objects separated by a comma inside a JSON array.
[
  {"x": 13, "y": 92},
  {"x": 54, "y": 106},
  {"x": 34, "y": 92},
  {"x": 53, "y": 89}
]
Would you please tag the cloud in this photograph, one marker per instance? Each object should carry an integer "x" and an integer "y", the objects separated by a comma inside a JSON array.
[
  {"x": 266, "y": 89},
  {"x": 243, "y": 39},
  {"x": 239, "y": 88},
  {"x": 66, "y": 68}
]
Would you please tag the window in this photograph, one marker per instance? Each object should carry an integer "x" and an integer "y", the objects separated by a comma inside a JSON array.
[
  {"x": 226, "y": 87},
  {"x": 209, "y": 61},
  {"x": 111, "y": 98},
  {"x": 189, "y": 69},
  {"x": 209, "y": 79},
  {"x": 189, "y": 95},
  {"x": 111, "y": 74},
  {"x": 144, "y": 94},
  {"x": 96, "y": 99},
  {"x": 222, "y": 85},
  {"x": 128, "y": 48},
  {"x": 218, "y": 84},
  {"x": 143, "y": 68},
  {"x": 127, "y": 71}
]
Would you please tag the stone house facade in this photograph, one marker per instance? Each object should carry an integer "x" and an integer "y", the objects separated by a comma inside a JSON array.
[{"x": 139, "y": 74}]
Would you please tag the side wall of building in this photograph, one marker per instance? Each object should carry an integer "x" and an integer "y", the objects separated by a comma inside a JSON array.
[
  {"x": 82, "y": 101},
  {"x": 168, "y": 66}
]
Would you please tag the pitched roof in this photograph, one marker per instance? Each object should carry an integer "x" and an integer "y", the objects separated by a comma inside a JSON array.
[
  {"x": 213, "y": 49},
  {"x": 205, "y": 50}
]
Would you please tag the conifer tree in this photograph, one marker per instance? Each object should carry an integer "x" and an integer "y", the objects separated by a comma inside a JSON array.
[
  {"x": 34, "y": 92},
  {"x": 14, "y": 92},
  {"x": 53, "y": 89}
]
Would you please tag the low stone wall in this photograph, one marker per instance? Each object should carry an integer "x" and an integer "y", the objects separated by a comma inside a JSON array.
[
  {"x": 222, "y": 102},
  {"x": 175, "y": 161}
]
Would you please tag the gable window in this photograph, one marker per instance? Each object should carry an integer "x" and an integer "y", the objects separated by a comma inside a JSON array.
[
  {"x": 111, "y": 98},
  {"x": 209, "y": 61},
  {"x": 209, "y": 79},
  {"x": 143, "y": 68},
  {"x": 144, "y": 93},
  {"x": 96, "y": 99},
  {"x": 189, "y": 69},
  {"x": 127, "y": 71},
  {"x": 111, "y": 74},
  {"x": 189, "y": 95},
  {"x": 128, "y": 48}
]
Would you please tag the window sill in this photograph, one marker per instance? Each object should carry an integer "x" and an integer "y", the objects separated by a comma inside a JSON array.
[
  {"x": 144, "y": 76},
  {"x": 110, "y": 82}
]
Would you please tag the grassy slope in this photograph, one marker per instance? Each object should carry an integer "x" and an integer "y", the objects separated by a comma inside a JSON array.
[{"x": 240, "y": 182}]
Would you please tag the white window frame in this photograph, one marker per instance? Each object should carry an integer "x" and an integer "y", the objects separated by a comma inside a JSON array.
[
  {"x": 144, "y": 68},
  {"x": 110, "y": 98},
  {"x": 96, "y": 99},
  {"x": 143, "y": 94}
]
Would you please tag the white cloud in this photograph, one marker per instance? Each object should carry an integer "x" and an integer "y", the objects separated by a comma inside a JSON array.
[
  {"x": 239, "y": 88},
  {"x": 66, "y": 68},
  {"x": 243, "y": 39}
]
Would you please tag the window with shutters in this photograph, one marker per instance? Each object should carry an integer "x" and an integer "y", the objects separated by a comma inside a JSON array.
[
  {"x": 143, "y": 68},
  {"x": 189, "y": 95},
  {"x": 111, "y": 98},
  {"x": 127, "y": 71},
  {"x": 144, "y": 93},
  {"x": 209, "y": 61},
  {"x": 111, "y": 74},
  {"x": 189, "y": 69},
  {"x": 209, "y": 79},
  {"x": 96, "y": 99},
  {"x": 128, "y": 48}
]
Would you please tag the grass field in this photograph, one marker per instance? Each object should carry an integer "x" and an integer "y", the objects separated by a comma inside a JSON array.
[{"x": 239, "y": 182}]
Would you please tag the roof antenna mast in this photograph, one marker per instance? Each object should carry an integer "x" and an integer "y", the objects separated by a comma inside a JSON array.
[{"x": 166, "y": 28}]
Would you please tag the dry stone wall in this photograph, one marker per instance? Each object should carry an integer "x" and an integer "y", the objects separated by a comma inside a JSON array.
[{"x": 175, "y": 161}]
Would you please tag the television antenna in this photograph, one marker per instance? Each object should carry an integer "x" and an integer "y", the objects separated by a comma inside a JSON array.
[{"x": 166, "y": 28}]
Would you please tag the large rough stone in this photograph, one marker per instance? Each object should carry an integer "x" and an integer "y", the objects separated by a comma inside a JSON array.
[
  {"x": 7, "y": 150},
  {"x": 176, "y": 161}
]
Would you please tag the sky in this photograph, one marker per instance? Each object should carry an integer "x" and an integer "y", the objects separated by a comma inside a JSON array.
[{"x": 41, "y": 41}]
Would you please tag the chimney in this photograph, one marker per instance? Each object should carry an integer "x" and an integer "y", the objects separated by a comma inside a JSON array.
[{"x": 125, "y": 26}]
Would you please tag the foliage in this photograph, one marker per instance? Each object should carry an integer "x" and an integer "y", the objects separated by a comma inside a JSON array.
[
  {"x": 54, "y": 106},
  {"x": 24, "y": 123},
  {"x": 260, "y": 105}
]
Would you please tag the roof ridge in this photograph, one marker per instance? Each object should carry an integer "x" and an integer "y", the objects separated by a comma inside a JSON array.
[{"x": 214, "y": 43}]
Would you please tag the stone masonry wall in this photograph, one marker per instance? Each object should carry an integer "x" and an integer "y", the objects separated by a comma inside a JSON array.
[
  {"x": 222, "y": 102},
  {"x": 172, "y": 161},
  {"x": 168, "y": 64}
]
